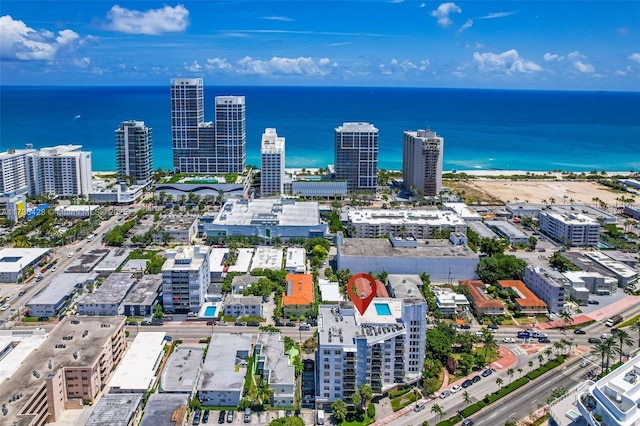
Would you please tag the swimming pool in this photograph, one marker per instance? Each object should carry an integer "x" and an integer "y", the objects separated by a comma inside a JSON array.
[
  {"x": 210, "y": 311},
  {"x": 383, "y": 309}
]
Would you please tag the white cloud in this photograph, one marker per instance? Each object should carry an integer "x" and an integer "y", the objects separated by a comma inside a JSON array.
[
  {"x": 507, "y": 62},
  {"x": 395, "y": 67},
  {"x": 552, "y": 56},
  {"x": 575, "y": 55},
  {"x": 82, "y": 62},
  {"x": 634, "y": 57},
  {"x": 424, "y": 64},
  {"x": 150, "y": 22},
  {"x": 194, "y": 67},
  {"x": 443, "y": 11},
  {"x": 19, "y": 41},
  {"x": 422, "y": 5},
  {"x": 582, "y": 67},
  {"x": 278, "y": 18},
  {"x": 466, "y": 26},
  {"x": 274, "y": 66},
  {"x": 497, "y": 15},
  {"x": 397, "y": 1}
]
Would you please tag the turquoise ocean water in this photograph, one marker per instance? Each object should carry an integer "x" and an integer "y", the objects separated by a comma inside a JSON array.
[{"x": 483, "y": 129}]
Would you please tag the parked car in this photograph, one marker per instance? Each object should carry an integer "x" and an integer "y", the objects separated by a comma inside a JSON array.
[
  {"x": 493, "y": 326},
  {"x": 247, "y": 415},
  {"x": 594, "y": 340},
  {"x": 467, "y": 422},
  {"x": 230, "y": 415},
  {"x": 465, "y": 326},
  {"x": 279, "y": 324},
  {"x": 131, "y": 323},
  {"x": 222, "y": 323},
  {"x": 419, "y": 407},
  {"x": 211, "y": 323},
  {"x": 487, "y": 372},
  {"x": 168, "y": 338},
  {"x": 594, "y": 302},
  {"x": 205, "y": 416},
  {"x": 455, "y": 389},
  {"x": 445, "y": 393},
  {"x": 221, "y": 417},
  {"x": 579, "y": 331},
  {"x": 253, "y": 324},
  {"x": 467, "y": 383},
  {"x": 475, "y": 379},
  {"x": 543, "y": 340},
  {"x": 290, "y": 324},
  {"x": 239, "y": 324},
  {"x": 606, "y": 336},
  {"x": 508, "y": 340}
]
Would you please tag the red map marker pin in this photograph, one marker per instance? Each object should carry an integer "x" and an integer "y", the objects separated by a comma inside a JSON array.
[{"x": 361, "y": 301}]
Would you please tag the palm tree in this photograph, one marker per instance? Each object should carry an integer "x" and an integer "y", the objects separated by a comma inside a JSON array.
[
  {"x": 623, "y": 338},
  {"x": 540, "y": 359},
  {"x": 636, "y": 327},
  {"x": 499, "y": 382},
  {"x": 366, "y": 393},
  {"x": 548, "y": 353},
  {"x": 466, "y": 398},
  {"x": 438, "y": 411},
  {"x": 530, "y": 363},
  {"x": 510, "y": 374},
  {"x": 605, "y": 349},
  {"x": 566, "y": 317},
  {"x": 520, "y": 371},
  {"x": 557, "y": 346},
  {"x": 488, "y": 341},
  {"x": 356, "y": 399},
  {"x": 263, "y": 393},
  {"x": 339, "y": 410}
]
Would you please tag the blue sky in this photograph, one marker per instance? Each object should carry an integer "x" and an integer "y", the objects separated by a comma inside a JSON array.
[{"x": 566, "y": 45}]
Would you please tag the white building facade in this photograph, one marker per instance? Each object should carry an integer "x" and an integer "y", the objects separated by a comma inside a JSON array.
[
  {"x": 133, "y": 152},
  {"x": 356, "y": 156},
  {"x": 575, "y": 229},
  {"x": 272, "y": 163},
  {"x": 63, "y": 170},
  {"x": 372, "y": 223},
  {"x": 185, "y": 278},
  {"x": 550, "y": 286},
  {"x": 422, "y": 156}
]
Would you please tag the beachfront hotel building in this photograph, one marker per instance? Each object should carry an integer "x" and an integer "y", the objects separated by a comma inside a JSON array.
[
  {"x": 63, "y": 170},
  {"x": 356, "y": 156},
  {"x": 422, "y": 155},
  {"x": 206, "y": 147},
  {"x": 272, "y": 164},
  {"x": 133, "y": 152},
  {"x": 185, "y": 278},
  {"x": 384, "y": 347},
  {"x": 13, "y": 172}
]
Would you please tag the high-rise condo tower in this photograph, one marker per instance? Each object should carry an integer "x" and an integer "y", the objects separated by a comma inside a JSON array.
[
  {"x": 272, "y": 164},
  {"x": 133, "y": 152},
  {"x": 422, "y": 161},
  {"x": 356, "y": 156}
]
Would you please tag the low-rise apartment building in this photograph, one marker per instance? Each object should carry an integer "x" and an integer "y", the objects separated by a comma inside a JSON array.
[
  {"x": 275, "y": 367},
  {"x": 527, "y": 302},
  {"x": 108, "y": 299},
  {"x": 373, "y": 223},
  {"x": 298, "y": 297},
  {"x": 55, "y": 297},
  {"x": 570, "y": 228},
  {"x": 238, "y": 305},
  {"x": 481, "y": 303},
  {"x": 550, "y": 286}
]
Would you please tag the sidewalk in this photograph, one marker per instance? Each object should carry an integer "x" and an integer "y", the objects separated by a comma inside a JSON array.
[{"x": 599, "y": 315}]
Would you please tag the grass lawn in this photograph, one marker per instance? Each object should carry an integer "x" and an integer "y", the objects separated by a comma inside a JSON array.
[
  {"x": 629, "y": 321},
  {"x": 492, "y": 355},
  {"x": 404, "y": 400},
  {"x": 357, "y": 419}
]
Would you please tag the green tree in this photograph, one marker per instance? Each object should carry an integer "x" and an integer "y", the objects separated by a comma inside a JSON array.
[
  {"x": 263, "y": 393},
  {"x": 488, "y": 341},
  {"x": 533, "y": 242},
  {"x": 623, "y": 339},
  {"x": 366, "y": 392},
  {"x": 157, "y": 312},
  {"x": 510, "y": 374},
  {"x": 490, "y": 246},
  {"x": 636, "y": 327},
  {"x": 287, "y": 421},
  {"x": 466, "y": 398},
  {"x": 500, "y": 267},
  {"x": 604, "y": 349},
  {"x": 530, "y": 363},
  {"x": 438, "y": 411},
  {"x": 356, "y": 399},
  {"x": 339, "y": 410},
  {"x": 499, "y": 382}
]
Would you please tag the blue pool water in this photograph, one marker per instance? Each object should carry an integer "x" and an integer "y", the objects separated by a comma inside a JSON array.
[
  {"x": 382, "y": 309},
  {"x": 210, "y": 311}
]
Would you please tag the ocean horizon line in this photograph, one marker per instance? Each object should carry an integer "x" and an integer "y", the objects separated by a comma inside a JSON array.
[{"x": 284, "y": 86}]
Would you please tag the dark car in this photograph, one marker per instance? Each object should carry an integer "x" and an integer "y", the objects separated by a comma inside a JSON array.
[
  {"x": 579, "y": 331},
  {"x": 493, "y": 326},
  {"x": 290, "y": 324},
  {"x": 594, "y": 340},
  {"x": 221, "y": 417},
  {"x": 79, "y": 248},
  {"x": 467, "y": 422},
  {"x": 239, "y": 324},
  {"x": 131, "y": 323},
  {"x": 475, "y": 379},
  {"x": 543, "y": 340},
  {"x": 467, "y": 383},
  {"x": 288, "y": 413},
  {"x": 205, "y": 416},
  {"x": 253, "y": 324},
  {"x": 594, "y": 302},
  {"x": 487, "y": 372},
  {"x": 465, "y": 326},
  {"x": 279, "y": 324}
]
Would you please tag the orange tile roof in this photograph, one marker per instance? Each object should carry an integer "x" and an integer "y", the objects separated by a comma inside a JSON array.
[
  {"x": 528, "y": 299},
  {"x": 363, "y": 286},
  {"x": 299, "y": 290},
  {"x": 479, "y": 298}
]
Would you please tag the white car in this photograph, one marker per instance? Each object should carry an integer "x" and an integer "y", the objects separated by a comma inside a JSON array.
[
  {"x": 584, "y": 363},
  {"x": 606, "y": 336},
  {"x": 55, "y": 268},
  {"x": 5, "y": 307},
  {"x": 455, "y": 389},
  {"x": 70, "y": 255},
  {"x": 508, "y": 340}
]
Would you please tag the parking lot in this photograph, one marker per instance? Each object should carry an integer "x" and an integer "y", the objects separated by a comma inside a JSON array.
[{"x": 257, "y": 418}]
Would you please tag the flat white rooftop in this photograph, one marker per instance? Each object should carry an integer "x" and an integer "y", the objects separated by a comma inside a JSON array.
[
  {"x": 137, "y": 368},
  {"x": 26, "y": 345},
  {"x": 258, "y": 212},
  {"x": 404, "y": 216},
  {"x": 267, "y": 258},
  {"x": 226, "y": 351},
  {"x": 217, "y": 258},
  {"x": 14, "y": 259},
  {"x": 243, "y": 261}
]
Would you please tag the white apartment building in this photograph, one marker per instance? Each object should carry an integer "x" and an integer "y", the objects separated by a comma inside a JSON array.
[
  {"x": 275, "y": 367},
  {"x": 62, "y": 170},
  {"x": 384, "y": 347},
  {"x": 185, "y": 278},
  {"x": 187, "y": 115},
  {"x": 614, "y": 399},
  {"x": 296, "y": 261},
  {"x": 133, "y": 151},
  {"x": 108, "y": 299},
  {"x": 272, "y": 164},
  {"x": 549, "y": 286},
  {"x": 372, "y": 223},
  {"x": 422, "y": 156},
  {"x": 238, "y": 306},
  {"x": 574, "y": 229},
  {"x": 356, "y": 156},
  {"x": 13, "y": 172}
]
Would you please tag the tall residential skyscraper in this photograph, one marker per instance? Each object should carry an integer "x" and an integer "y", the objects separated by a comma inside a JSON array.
[
  {"x": 133, "y": 151},
  {"x": 272, "y": 165},
  {"x": 422, "y": 161},
  {"x": 356, "y": 156},
  {"x": 14, "y": 177},
  {"x": 206, "y": 147},
  {"x": 231, "y": 133},
  {"x": 63, "y": 170}
]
